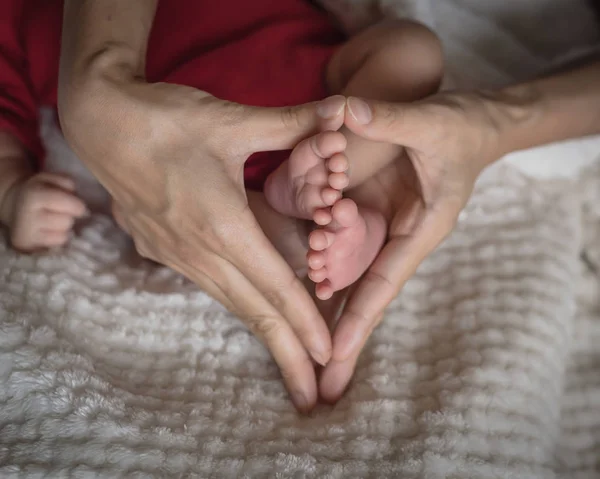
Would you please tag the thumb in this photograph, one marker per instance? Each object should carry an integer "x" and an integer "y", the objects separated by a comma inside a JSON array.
[
  {"x": 397, "y": 123},
  {"x": 271, "y": 129}
]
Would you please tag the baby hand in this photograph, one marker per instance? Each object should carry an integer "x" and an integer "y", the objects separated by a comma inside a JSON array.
[{"x": 44, "y": 209}]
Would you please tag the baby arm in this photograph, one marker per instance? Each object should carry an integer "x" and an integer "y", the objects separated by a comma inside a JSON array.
[{"x": 39, "y": 209}]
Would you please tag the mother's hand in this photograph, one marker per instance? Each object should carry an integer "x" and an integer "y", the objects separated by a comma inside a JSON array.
[
  {"x": 172, "y": 157},
  {"x": 449, "y": 139}
]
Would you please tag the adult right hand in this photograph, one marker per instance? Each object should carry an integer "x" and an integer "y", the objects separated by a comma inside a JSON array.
[{"x": 172, "y": 157}]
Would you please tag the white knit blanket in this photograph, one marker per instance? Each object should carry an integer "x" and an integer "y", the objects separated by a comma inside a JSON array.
[{"x": 487, "y": 365}]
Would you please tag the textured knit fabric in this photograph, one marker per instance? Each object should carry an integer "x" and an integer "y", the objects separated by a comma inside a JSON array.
[{"x": 486, "y": 367}]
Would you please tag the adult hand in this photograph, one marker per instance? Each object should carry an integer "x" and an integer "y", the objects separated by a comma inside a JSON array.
[
  {"x": 448, "y": 140},
  {"x": 172, "y": 157}
]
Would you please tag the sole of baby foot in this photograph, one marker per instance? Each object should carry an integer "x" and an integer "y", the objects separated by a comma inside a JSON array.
[
  {"x": 343, "y": 250},
  {"x": 312, "y": 178}
]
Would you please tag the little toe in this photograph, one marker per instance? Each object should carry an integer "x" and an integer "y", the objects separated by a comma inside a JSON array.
[
  {"x": 338, "y": 163},
  {"x": 323, "y": 290},
  {"x": 322, "y": 217},
  {"x": 315, "y": 259},
  {"x": 339, "y": 181},
  {"x": 345, "y": 212},
  {"x": 317, "y": 275},
  {"x": 319, "y": 240},
  {"x": 330, "y": 196}
]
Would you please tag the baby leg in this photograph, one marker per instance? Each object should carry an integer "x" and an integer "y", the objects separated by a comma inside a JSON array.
[{"x": 396, "y": 60}]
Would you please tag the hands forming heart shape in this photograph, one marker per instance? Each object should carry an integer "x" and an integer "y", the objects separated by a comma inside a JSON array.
[
  {"x": 191, "y": 212},
  {"x": 172, "y": 158}
]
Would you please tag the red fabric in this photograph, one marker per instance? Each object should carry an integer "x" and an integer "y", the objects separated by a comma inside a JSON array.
[{"x": 255, "y": 52}]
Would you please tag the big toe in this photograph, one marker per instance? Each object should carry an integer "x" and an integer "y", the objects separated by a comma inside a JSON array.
[
  {"x": 345, "y": 213},
  {"x": 327, "y": 143},
  {"x": 315, "y": 151}
]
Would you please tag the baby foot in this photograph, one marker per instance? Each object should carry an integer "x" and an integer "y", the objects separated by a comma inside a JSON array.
[
  {"x": 312, "y": 178},
  {"x": 343, "y": 250}
]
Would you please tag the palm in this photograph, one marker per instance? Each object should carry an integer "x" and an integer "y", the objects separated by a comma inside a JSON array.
[{"x": 397, "y": 192}]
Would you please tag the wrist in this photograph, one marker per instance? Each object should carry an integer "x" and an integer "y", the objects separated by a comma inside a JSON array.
[
  {"x": 547, "y": 110},
  {"x": 511, "y": 113}
]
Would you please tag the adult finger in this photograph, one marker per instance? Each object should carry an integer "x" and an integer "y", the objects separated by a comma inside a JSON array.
[
  {"x": 396, "y": 123},
  {"x": 264, "y": 321},
  {"x": 275, "y": 280},
  {"x": 336, "y": 376},
  {"x": 250, "y": 278},
  {"x": 396, "y": 263},
  {"x": 270, "y": 129}
]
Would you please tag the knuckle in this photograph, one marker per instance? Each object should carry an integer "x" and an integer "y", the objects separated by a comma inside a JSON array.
[
  {"x": 358, "y": 316},
  {"x": 390, "y": 115},
  {"x": 381, "y": 280},
  {"x": 275, "y": 298},
  {"x": 290, "y": 117},
  {"x": 265, "y": 327}
]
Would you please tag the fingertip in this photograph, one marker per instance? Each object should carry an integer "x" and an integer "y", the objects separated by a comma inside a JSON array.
[
  {"x": 331, "y": 107},
  {"x": 321, "y": 357},
  {"x": 84, "y": 211},
  {"x": 335, "y": 380},
  {"x": 301, "y": 402},
  {"x": 359, "y": 110}
]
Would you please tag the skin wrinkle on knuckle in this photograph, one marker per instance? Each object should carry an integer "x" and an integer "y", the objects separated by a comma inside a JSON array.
[
  {"x": 357, "y": 317},
  {"x": 379, "y": 279},
  {"x": 265, "y": 327},
  {"x": 278, "y": 295},
  {"x": 291, "y": 118},
  {"x": 390, "y": 117}
]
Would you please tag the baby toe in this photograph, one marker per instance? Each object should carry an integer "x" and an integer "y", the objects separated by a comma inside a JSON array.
[
  {"x": 323, "y": 290},
  {"x": 345, "y": 212},
  {"x": 319, "y": 240},
  {"x": 338, "y": 181},
  {"x": 317, "y": 275},
  {"x": 338, "y": 163},
  {"x": 330, "y": 196}
]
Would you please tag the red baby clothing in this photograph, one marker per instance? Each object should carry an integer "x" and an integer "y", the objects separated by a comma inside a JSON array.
[{"x": 258, "y": 52}]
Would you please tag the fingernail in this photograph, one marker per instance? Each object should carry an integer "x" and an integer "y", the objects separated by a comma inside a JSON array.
[
  {"x": 359, "y": 110},
  {"x": 320, "y": 358},
  {"x": 331, "y": 107},
  {"x": 300, "y": 401}
]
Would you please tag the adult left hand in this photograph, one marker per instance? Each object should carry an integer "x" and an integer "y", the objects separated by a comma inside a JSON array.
[{"x": 448, "y": 140}]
